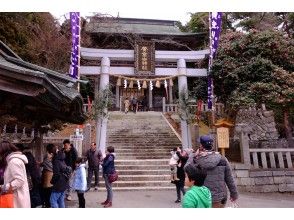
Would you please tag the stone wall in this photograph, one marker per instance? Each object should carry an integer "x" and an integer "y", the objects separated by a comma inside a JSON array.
[
  {"x": 281, "y": 180},
  {"x": 260, "y": 122}
]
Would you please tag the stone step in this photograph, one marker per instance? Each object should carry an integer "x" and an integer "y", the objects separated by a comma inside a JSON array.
[
  {"x": 141, "y": 178},
  {"x": 126, "y": 138},
  {"x": 142, "y": 145},
  {"x": 142, "y": 188},
  {"x": 142, "y": 162},
  {"x": 141, "y": 167},
  {"x": 139, "y": 183},
  {"x": 139, "y": 154},
  {"x": 166, "y": 144},
  {"x": 142, "y": 150},
  {"x": 144, "y": 172},
  {"x": 140, "y": 157}
]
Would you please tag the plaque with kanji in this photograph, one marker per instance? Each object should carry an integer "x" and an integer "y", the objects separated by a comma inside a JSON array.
[
  {"x": 144, "y": 58},
  {"x": 223, "y": 137}
]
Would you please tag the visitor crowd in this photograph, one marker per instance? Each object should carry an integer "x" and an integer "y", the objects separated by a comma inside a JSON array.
[{"x": 25, "y": 183}]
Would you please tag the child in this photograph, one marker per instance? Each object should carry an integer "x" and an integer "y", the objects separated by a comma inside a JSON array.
[
  {"x": 80, "y": 181},
  {"x": 198, "y": 196},
  {"x": 173, "y": 163}
]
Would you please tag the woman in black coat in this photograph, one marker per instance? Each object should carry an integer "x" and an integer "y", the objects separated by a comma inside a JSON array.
[
  {"x": 183, "y": 157},
  {"x": 108, "y": 168}
]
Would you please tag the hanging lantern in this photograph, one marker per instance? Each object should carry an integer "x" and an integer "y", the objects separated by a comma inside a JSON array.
[
  {"x": 171, "y": 83},
  {"x": 131, "y": 85},
  {"x": 157, "y": 84},
  {"x": 125, "y": 83},
  {"x": 139, "y": 86},
  {"x": 165, "y": 83},
  {"x": 144, "y": 85},
  {"x": 151, "y": 85},
  {"x": 118, "y": 82}
]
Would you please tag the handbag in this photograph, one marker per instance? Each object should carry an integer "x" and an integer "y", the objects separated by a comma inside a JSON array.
[
  {"x": 112, "y": 177},
  {"x": 6, "y": 200}
]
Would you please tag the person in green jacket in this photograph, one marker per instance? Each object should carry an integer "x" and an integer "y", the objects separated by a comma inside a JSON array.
[{"x": 198, "y": 196}]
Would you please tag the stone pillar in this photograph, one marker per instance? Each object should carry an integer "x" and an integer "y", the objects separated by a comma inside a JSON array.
[
  {"x": 117, "y": 100},
  {"x": 194, "y": 135},
  {"x": 150, "y": 99},
  {"x": 244, "y": 143},
  {"x": 163, "y": 104},
  {"x": 102, "y": 123},
  {"x": 87, "y": 138},
  {"x": 183, "y": 85},
  {"x": 170, "y": 94}
]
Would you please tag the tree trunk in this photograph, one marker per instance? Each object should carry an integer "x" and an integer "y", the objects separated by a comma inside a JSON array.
[{"x": 288, "y": 127}]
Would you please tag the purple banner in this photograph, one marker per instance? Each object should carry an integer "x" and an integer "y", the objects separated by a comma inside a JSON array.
[
  {"x": 75, "y": 51},
  {"x": 215, "y": 22}
]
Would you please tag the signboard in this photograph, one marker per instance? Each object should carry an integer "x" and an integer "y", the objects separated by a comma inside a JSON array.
[
  {"x": 75, "y": 137},
  {"x": 145, "y": 58},
  {"x": 223, "y": 137}
]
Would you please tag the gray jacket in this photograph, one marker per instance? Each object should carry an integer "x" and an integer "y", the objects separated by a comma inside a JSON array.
[{"x": 219, "y": 175}]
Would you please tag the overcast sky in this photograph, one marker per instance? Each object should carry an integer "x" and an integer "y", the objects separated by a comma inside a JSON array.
[{"x": 153, "y": 9}]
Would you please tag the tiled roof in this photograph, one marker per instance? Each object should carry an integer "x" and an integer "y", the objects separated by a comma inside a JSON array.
[{"x": 135, "y": 26}]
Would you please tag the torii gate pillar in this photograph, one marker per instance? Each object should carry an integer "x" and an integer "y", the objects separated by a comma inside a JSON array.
[
  {"x": 183, "y": 86},
  {"x": 101, "y": 124}
]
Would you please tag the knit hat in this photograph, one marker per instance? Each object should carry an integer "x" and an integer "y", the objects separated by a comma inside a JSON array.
[{"x": 206, "y": 141}]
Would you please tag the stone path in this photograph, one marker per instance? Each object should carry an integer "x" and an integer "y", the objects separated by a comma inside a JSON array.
[{"x": 165, "y": 199}]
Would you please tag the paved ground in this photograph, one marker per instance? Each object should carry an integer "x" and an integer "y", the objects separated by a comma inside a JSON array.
[{"x": 166, "y": 198}]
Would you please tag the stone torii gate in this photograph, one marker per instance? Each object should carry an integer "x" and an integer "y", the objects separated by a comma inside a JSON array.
[{"x": 105, "y": 69}]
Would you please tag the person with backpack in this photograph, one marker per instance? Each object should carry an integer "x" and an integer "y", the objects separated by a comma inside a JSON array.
[
  {"x": 219, "y": 174},
  {"x": 60, "y": 179}
]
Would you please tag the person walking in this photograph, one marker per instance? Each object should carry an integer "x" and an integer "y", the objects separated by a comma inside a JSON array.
[
  {"x": 60, "y": 180},
  {"x": 127, "y": 105},
  {"x": 219, "y": 174},
  {"x": 183, "y": 157},
  {"x": 94, "y": 158},
  {"x": 71, "y": 156},
  {"x": 15, "y": 177},
  {"x": 47, "y": 174},
  {"x": 108, "y": 168},
  {"x": 197, "y": 196},
  {"x": 135, "y": 104},
  {"x": 79, "y": 183}
]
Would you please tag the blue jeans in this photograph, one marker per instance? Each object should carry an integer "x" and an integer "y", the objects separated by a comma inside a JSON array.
[
  {"x": 108, "y": 186},
  {"x": 57, "y": 199}
]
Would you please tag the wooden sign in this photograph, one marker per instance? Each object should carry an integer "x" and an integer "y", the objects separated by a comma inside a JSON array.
[
  {"x": 223, "y": 137},
  {"x": 145, "y": 58}
]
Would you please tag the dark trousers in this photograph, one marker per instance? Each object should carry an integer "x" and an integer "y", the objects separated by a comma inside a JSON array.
[
  {"x": 180, "y": 188},
  {"x": 46, "y": 193},
  {"x": 108, "y": 186},
  {"x": 92, "y": 170},
  {"x": 82, "y": 201}
]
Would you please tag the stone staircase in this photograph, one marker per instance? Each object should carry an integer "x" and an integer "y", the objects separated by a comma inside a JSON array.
[{"x": 142, "y": 144}]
